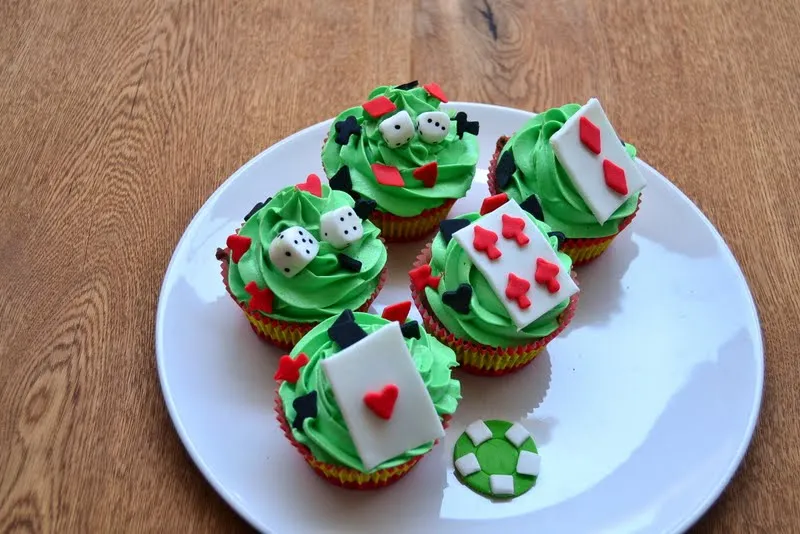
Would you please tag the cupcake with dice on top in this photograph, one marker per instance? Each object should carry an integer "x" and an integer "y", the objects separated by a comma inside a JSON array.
[
  {"x": 494, "y": 287},
  {"x": 363, "y": 398},
  {"x": 570, "y": 164},
  {"x": 402, "y": 151},
  {"x": 304, "y": 255}
]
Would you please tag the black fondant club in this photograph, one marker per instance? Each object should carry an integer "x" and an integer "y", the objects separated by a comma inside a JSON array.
[
  {"x": 255, "y": 208},
  {"x": 505, "y": 169},
  {"x": 346, "y": 128},
  {"x": 532, "y": 206},
  {"x": 450, "y": 226},
  {"x": 305, "y": 407},
  {"x": 558, "y": 235},
  {"x": 344, "y": 331},
  {"x": 341, "y": 180},
  {"x": 406, "y": 86},
  {"x": 364, "y": 207},
  {"x": 410, "y": 329},
  {"x": 465, "y": 126},
  {"x": 459, "y": 298},
  {"x": 348, "y": 263}
]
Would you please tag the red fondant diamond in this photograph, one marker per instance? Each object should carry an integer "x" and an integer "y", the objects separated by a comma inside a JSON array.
[
  {"x": 421, "y": 278},
  {"x": 238, "y": 244},
  {"x": 397, "y": 312},
  {"x": 546, "y": 273},
  {"x": 590, "y": 135},
  {"x": 378, "y": 106},
  {"x": 289, "y": 368},
  {"x": 260, "y": 299},
  {"x": 387, "y": 175},
  {"x": 427, "y": 174},
  {"x": 490, "y": 204},
  {"x": 615, "y": 177},
  {"x": 311, "y": 185},
  {"x": 513, "y": 229},
  {"x": 517, "y": 289},
  {"x": 435, "y": 91},
  {"x": 382, "y": 402},
  {"x": 484, "y": 241}
]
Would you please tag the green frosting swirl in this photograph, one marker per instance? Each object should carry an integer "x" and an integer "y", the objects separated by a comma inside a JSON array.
[
  {"x": 456, "y": 158},
  {"x": 538, "y": 171},
  {"x": 487, "y": 321},
  {"x": 326, "y": 435},
  {"x": 322, "y": 288}
]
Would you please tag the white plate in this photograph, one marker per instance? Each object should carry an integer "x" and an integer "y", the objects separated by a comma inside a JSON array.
[{"x": 642, "y": 409}]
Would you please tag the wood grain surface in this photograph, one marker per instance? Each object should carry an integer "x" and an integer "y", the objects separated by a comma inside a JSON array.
[{"x": 119, "y": 118}]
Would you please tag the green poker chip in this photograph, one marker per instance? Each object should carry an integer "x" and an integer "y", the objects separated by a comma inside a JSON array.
[{"x": 497, "y": 459}]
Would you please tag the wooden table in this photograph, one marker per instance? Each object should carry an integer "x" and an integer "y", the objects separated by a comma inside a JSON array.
[{"x": 119, "y": 118}]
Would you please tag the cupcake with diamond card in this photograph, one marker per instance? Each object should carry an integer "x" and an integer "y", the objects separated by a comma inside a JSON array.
[
  {"x": 494, "y": 287},
  {"x": 400, "y": 150},
  {"x": 364, "y": 398},
  {"x": 570, "y": 164}
]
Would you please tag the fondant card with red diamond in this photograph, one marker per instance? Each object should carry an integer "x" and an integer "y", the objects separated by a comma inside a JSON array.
[
  {"x": 598, "y": 165},
  {"x": 518, "y": 262},
  {"x": 382, "y": 397}
]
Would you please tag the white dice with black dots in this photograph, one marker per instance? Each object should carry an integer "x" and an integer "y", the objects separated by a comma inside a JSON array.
[
  {"x": 433, "y": 126},
  {"x": 398, "y": 129},
  {"x": 292, "y": 250},
  {"x": 341, "y": 227}
]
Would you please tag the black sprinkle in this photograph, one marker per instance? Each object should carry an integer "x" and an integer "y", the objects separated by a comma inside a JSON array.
[
  {"x": 364, "y": 207},
  {"x": 532, "y": 206},
  {"x": 410, "y": 329},
  {"x": 505, "y": 169},
  {"x": 341, "y": 180},
  {"x": 349, "y": 263},
  {"x": 346, "y": 128},
  {"x": 406, "y": 86},
  {"x": 305, "y": 407}
]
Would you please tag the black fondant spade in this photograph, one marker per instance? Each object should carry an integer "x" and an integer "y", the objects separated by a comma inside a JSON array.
[
  {"x": 349, "y": 263},
  {"x": 305, "y": 407},
  {"x": 344, "y": 331},
  {"x": 532, "y": 206},
  {"x": 410, "y": 329},
  {"x": 458, "y": 299},
  {"x": 463, "y": 125},
  {"x": 406, "y": 86},
  {"x": 341, "y": 180},
  {"x": 364, "y": 207},
  {"x": 450, "y": 226},
  {"x": 221, "y": 254},
  {"x": 255, "y": 208},
  {"x": 346, "y": 128},
  {"x": 558, "y": 235},
  {"x": 505, "y": 169}
]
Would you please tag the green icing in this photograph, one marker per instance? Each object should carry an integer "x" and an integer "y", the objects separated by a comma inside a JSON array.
[
  {"x": 456, "y": 158},
  {"x": 538, "y": 171},
  {"x": 488, "y": 321},
  {"x": 326, "y": 435},
  {"x": 322, "y": 288}
]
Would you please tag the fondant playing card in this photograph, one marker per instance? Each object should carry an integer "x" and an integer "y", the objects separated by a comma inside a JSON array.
[
  {"x": 518, "y": 262},
  {"x": 382, "y": 397},
  {"x": 590, "y": 151}
]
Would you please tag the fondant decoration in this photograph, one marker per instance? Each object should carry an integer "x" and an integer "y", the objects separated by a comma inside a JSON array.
[
  {"x": 465, "y": 126},
  {"x": 221, "y": 254},
  {"x": 421, "y": 278},
  {"x": 292, "y": 250},
  {"x": 505, "y": 169},
  {"x": 380, "y": 359},
  {"x": 398, "y": 129},
  {"x": 521, "y": 261},
  {"x": 239, "y": 244},
  {"x": 410, "y": 329},
  {"x": 260, "y": 299},
  {"x": 449, "y": 226},
  {"x": 497, "y": 459},
  {"x": 289, "y": 368},
  {"x": 397, "y": 312},
  {"x": 532, "y": 206},
  {"x": 517, "y": 290},
  {"x": 459, "y": 298},
  {"x": 311, "y": 185},
  {"x": 546, "y": 274},
  {"x": 341, "y": 227},
  {"x": 558, "y": 235},
  {"x": 386, "y": 175},
  {"x": 485, "y": 241},
  {"x": 427, "y": 174},
  {"x": 382, "y": 402},
  {"x": 598, "y": 165},
  {"x": 345, "y": 331},
  {"x": 514, "y": 228},
  {"x": 364, "y": 207},
  {"x": 490, "y": 204},
  {"x": 433, "y": 126},
  {"x": 435, "y": 91},
  {"x": 305, "y": 407},
  {"x": 406, "y": 86},
  {"x": 348, "y": 263},
  {"x": 341, "y": 180},
  {"x": 378, "y": 106},
  {"x": 346, "y": 128},
  {"x": 255, "y": 208}
]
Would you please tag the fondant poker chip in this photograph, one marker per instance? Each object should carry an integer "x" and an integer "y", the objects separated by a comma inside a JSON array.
[{"x": 497, "y": 459}]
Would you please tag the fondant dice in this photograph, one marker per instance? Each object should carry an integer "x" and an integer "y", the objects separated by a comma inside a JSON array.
[
  {"x": 433, "y": 126},
  {"x": 341, "y": 227},
  {"x": 292, "y": 250},
  {"x": 398, "y": 129}
]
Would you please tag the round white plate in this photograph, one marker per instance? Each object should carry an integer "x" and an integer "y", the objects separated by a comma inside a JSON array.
[{"x": 642, "y": 409}]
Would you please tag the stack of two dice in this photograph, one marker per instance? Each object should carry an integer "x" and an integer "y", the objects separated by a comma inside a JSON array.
[{"x": 296, "y": 247}]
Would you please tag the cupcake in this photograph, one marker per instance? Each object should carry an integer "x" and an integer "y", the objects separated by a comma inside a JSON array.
[
  {"x": 570, "y": 166},
  {"x": 402, "y": 151},
  {"x": 363, "y": 398},
  {"x": 300, "y": 257},
  {"x": 494, "y": 287}
]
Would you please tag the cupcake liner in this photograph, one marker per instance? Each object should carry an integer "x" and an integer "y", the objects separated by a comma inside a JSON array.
[
  {"x": 341, "y": 476},
  {"x": 581, "y": 250},
  {"x": 284, "y": 334},
  {"x": 486, "y": 360}
]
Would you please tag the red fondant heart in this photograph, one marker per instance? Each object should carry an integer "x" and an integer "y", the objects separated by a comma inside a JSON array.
[
  {"x": 311, "y": 185},
  {"x": 238, "y": 244},
  {"x": 289, "y": 368},
  {"x": 397, "y": 312},
  {"x": 382, "y": 402}
]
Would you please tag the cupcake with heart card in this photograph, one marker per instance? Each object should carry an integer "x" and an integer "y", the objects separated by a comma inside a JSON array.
[
  {"x": 495, "y": 287},
  {"x": 300, "y": 257},
  {"x": 364, "y": 398},
  {"x": 571, "y": 165},
  {"x": 405, "y": 153}
]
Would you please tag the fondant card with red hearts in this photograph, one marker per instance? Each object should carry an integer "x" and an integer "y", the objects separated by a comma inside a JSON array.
[
  {"x": 596, "y": 161},
  {"x": 382, "y": 397},
  {"x": 517, "y": 260}
]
